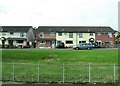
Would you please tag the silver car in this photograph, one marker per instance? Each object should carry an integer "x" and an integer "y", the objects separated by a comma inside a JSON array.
[{"x": 83, "y": 46}]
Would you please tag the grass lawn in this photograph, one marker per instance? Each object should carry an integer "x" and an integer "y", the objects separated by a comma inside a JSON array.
[
  {"x": 60, "y": 65},
  {"x": 61, "y": 56}
]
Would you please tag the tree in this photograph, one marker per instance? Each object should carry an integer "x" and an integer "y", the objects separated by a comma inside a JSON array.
[
  {"x": 118, "y": 38},
  {"x": 30, "y": 35}
]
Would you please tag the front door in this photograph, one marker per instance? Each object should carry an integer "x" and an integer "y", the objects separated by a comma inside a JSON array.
[{"x": 107, "y": 44}]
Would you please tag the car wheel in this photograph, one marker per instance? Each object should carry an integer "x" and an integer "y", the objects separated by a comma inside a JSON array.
[{"x": 77, "y": 48}]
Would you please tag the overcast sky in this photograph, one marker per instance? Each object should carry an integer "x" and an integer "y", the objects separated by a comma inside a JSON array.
[{"x": 59, "y": 13}]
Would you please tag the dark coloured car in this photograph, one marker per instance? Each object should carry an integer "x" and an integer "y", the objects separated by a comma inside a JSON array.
[
  {"x": 26, "y": 46},
  {"x": 95, "y": 45},
  {"x": 83, "y": 46}
]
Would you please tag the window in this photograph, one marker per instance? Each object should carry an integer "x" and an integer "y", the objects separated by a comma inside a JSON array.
[
  {"x": 52, "y": 33},
  {"x": 65, "y": 33},
  {"x": 59, "y": 33},
  {"x": 59, "y": 42},
  {"x": 82, "y": 42},
  {"x": 109, "y": 35},
  {"x": 70, "y": 35},
  {"x": 99, "y": 34},
  {"x": 69, "y": 42},
  {"x": 3, "y": 33},
  {"x": 11, "y": 33},
  {"x": 91, "y": 34},
  {"x": 41, "y": 34},
  {"x": 42, "y": 41},
  {"x": 110, "y": 42},
  {"x": 19, "y": 41},
  {"x": 21, "y": 34},
  {"x": 80, "y": 35}
]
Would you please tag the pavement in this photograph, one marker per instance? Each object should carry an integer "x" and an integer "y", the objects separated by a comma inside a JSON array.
[{"x": 59, "y": 49}]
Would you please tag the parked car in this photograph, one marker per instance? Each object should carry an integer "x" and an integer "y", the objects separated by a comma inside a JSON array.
[
  {"x": 95, "y": 45},
  {"x": 83, "y": 46},
  {"x": 26, "y": 46}
]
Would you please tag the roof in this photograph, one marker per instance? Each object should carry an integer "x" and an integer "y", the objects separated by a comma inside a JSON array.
[
  {"x": 16, "y": 38},
  {"x": 75, "y": 29},
  {"x": 15, "y": 28},
  {"x": 58, "y": 29}
]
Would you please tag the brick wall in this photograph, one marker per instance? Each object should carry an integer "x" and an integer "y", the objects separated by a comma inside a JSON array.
[
  {"x": 104, "y": 38},
  {"x": 47, "y": 35}
]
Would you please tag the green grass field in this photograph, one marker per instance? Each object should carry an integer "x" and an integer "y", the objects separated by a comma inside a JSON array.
[
  {"x": 60, "y": 65},
  {"x": 61, "y": 56}
]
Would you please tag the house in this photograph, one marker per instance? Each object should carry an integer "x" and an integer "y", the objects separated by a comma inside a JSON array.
[
  {"x": 51, "y": 36},
  {"x": 13, "y": 36},
  {"x": 45, "y": 37},
  {"x": 105, "y": 37}
]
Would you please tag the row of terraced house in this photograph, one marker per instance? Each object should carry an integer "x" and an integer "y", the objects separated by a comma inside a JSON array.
[{"x": 51, "y": 36}]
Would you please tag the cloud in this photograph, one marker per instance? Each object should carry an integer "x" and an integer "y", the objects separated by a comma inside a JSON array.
[{"x": 59, "y": 12}]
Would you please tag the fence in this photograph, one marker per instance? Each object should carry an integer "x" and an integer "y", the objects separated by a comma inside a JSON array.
[{"x": 59, "y": 73}]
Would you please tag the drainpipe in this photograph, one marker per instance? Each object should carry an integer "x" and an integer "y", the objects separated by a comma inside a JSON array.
[{"x": 76, "y": 39}]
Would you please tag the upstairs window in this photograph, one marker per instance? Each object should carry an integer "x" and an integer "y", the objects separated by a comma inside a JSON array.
[
  {"x": 21, "y": 34},
  {"x": 91, "y": 34},
  {"x": 52, "y": 34},
  {"x": 70, "y": 35},
  {"x": 99, "y": 33},
  {"x": 3, "y": 33},
  {"x": 59, "y": 33},
  {"x": 11, "y": 33},
  {"x": 109, "y": 35},
  {"x": 80, "y": 35},
  {"x": 41, "y": 34}
]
